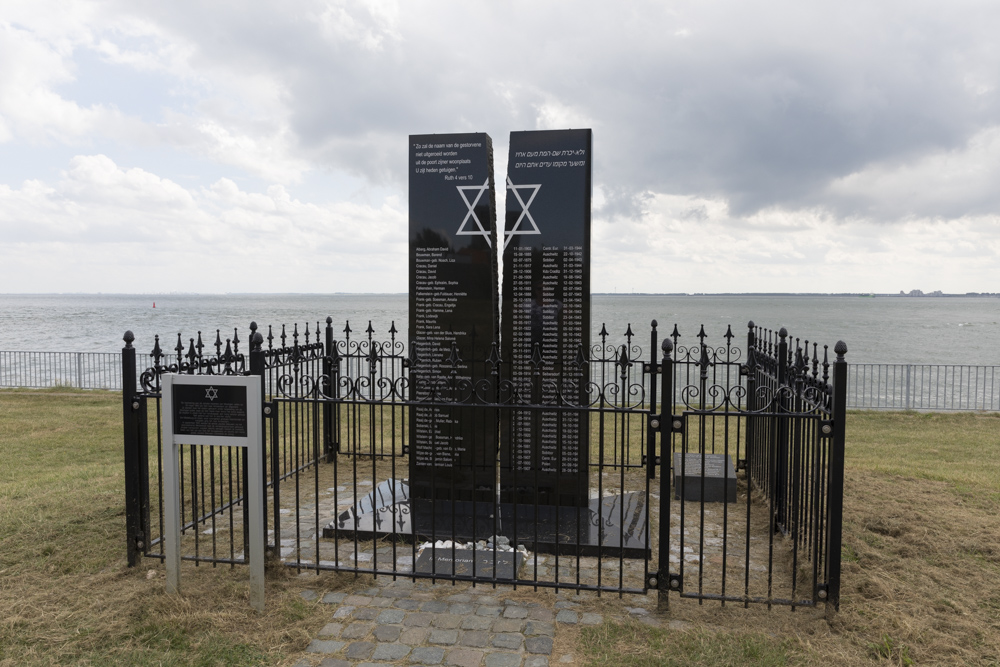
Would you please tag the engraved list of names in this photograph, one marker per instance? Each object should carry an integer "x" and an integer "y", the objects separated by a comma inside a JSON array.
[
  {"x": 544, "y": 455},
  {"x": 454, "y": 313}
]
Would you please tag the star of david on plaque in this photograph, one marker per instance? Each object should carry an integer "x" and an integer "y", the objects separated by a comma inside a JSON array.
[
  {"x": 525, "y": 214},
  {"x": 211, "y": 393},
  {"x": 462, "y": 231}
]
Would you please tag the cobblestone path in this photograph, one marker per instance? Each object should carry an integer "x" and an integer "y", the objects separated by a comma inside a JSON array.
[{"x": 418, "y": 623}]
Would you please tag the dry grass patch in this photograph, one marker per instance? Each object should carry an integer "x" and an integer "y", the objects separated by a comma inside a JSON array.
[{"x": 66, "y": 593}]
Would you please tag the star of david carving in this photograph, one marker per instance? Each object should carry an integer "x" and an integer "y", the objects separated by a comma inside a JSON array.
[
  {"x": 525, "y": 214},
  {"x": 462, "y": 231},
  {"x": 211, "y": 393}
]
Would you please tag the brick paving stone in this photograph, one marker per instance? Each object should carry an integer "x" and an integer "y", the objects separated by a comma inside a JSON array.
[
  {"x": 443, "y": 637},
  {"x": 388, "y": 633},
  {"x": 488, "y": 610},
  {"x": 591, "y": 619},
  {"x": 488, "y": 599},
  {"x": 446, "y": 621},
  {"x": 567, "y": 616},
  {"x": 372, "y": 591},
  {"x": 566, "y": 604},
  {"x": 333, "y": 598},
  {"x": 358, "y": 600},
  {"x": 366, "y": 613},
  {"x": 344, "y": 611},
  {"x": 331, "y": 629},
  {"x": 541, "y": 614},
  {"x": 391, "y": 652},
  {"x": 359, "y": 650},
  {"x": 475, "y": 638},
  {"x": 508, "y": 625},
  {"x": 357, "y": 630},
  {"x": 414, "y": 636},
  {"x": 407, "y": 604},
  {"x": 460, "y": 597},
  {"x": 418, "y": 619},
  {"x": 504, "y": 640},
  {"x": 540, "y": 628},
  {"x": 542, "y": 645},
  {"x": 428, "y": 655},
  {"x": 309, "y": 596},
  {"x": 537, "y": 661},
  {"x": 476, "y": 623},
  {"x": 503, "y": 660},
  {"x": 391, "y": 616},
  {"x": 334, "y": 662},
  {"x": 464, "y": 657},
  {"x": 381, "y": 602},
  {"x": 434, "y": 606},
  {"x": 324, "y": 646},
  {"x": 462, "y": 608},
  {"x": 515, "y": 612}
]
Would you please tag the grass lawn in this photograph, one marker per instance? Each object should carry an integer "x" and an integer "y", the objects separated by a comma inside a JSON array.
[{"x": 921, "y": 577}]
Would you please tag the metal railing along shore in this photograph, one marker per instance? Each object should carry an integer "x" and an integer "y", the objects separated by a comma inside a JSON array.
[{"x": 930, "y": 387}]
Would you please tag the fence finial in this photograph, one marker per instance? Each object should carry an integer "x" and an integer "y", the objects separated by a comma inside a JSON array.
[
  {"x": 841, "y": 349},
  {"x": 128, "y": 338}
]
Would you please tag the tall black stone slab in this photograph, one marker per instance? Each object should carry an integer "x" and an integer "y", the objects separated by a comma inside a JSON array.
[
  {"x": 453, "y": 304},
  {"x": 544, "y": 455}
]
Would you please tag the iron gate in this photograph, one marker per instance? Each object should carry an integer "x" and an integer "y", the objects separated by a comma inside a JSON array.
[{"x": 338, "y": 414}]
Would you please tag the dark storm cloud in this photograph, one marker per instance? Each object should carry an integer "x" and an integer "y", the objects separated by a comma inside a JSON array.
[{"x": 757, "y": 106}]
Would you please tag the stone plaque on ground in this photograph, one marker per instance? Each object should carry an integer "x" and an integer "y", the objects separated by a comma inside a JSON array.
[
  {"x": 443, "y": 561},
  {"x": 453, "y": 306},
  {"x": 544, "y": 455},
  {"x": 719, "y": 478}
]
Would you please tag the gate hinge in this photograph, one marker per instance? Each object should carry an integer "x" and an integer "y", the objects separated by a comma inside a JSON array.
[
  {"x": 668, "y": 582},
  {"x": 674, "y": 424}
]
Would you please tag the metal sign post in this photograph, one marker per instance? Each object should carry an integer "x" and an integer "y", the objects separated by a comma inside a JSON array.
[{"x": 221, "y": 410}]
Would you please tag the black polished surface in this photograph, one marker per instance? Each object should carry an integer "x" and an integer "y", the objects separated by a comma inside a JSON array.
[
  {"x": 544, "y": 455},
  {"x": 453, "y": 305},
  {"x": 613, "y": 525}
]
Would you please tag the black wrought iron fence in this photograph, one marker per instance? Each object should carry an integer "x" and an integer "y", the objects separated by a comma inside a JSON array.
[{"x": 346, "y": 492}]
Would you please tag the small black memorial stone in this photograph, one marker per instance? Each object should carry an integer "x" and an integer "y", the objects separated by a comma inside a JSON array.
[
  {"x": 544, "y": 456},
  {"x": 453, "y": 307},
  {"x": 719, "y": 478},
  {"x": 462, "y": 561}
]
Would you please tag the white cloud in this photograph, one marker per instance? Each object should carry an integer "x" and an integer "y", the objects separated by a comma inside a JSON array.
[
  {"x": 216, "y": 239},
  {"x": 948, "y": 183},
  {"x": 788, "y": 146}
]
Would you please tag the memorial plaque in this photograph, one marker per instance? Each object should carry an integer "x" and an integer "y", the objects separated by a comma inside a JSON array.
[
  {"x": 468, "y": 562},
  {"x": 209, "y": 410},
  {"x": 453, "y": 306},
  {"x": 716, "y": 485},
  {"x": 544, "y": 455}
]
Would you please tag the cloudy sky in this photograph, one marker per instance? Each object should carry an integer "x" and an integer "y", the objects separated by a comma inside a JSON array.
[{"x": 261, "y": 146}]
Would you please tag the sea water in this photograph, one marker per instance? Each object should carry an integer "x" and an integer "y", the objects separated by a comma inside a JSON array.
[{"x": 917, "y": 330}]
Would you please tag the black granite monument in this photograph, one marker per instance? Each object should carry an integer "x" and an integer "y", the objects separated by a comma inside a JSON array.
[
  {"x": 453, "y": 313},
  {"x": 544, "y": 456}
]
